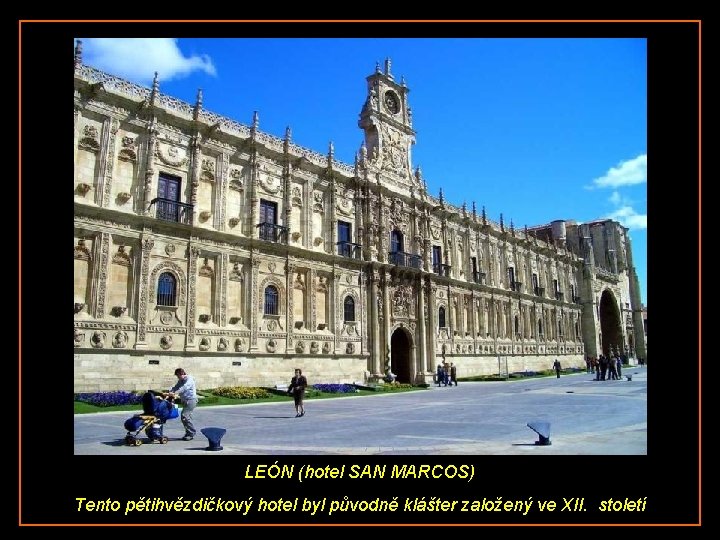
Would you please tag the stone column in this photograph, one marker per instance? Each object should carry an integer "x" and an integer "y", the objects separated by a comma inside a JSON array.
[
  {"x": 333, "y": 300},
  {"x": 451, "y": 315},
  {"x": 147, "y": 244},
  {"x": 102, "y": 161},
  {"x": 385, "y": 330},
  {"x": 193, "y": 254},
  {"x": 194, "y": 176},
  {"x": 224, "y": 263},
  {"x": 421, "y": 318},
  {"x": 149, "y": 170},
  {"x": 363, "y": 314},
  {"x": 431, "y": 290},
  {"x": 109, "y": 157},
  {"x": 289, "y": 304},
  {"x": 254, "y": 284},
  {"x": 102, "y": 275},
  {"x": 222, "y": 181},
  {"x": 475, "y": 319},
  {"x": 310, "y": 289},
  {"x": 375, "y": 309}
]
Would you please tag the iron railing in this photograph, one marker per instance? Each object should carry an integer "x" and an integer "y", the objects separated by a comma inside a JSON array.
[
  {"x": 400, "y": 258},
  {"x": 272, "y": 233},
  {"x": 169, "y": 210},
  {"x": 349, "y": 250}
]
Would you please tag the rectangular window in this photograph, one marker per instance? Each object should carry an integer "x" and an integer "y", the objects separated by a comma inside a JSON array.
[
  {"x": 268, "y": 212},
  {"x": 396, "y": 242},
  {"x": 436, "y": 258},
  {"x": 511, "y": 277},
  {"x": 268, "y": 220},
  {"x": 168, "y": 195},
  {"x": 535, "y": 283},
  {"x": 344, "y": 232}
]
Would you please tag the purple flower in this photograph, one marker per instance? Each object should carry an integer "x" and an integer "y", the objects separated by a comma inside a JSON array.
[{"x": 108, "y": 399}]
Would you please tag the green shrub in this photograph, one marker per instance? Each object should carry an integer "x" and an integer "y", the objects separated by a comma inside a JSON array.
[{"x": 241, "y": 392}]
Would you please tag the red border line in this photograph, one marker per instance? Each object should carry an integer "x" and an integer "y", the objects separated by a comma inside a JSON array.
[{"x": 20, "y": 523}]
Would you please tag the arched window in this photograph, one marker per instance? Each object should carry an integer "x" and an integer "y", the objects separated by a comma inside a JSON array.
[
  {"x": 271, "y": 300},
  {"x": 441, "y": 317},
  {"x": 166, "y": 289},
  {"x": 349, "y": 309}
]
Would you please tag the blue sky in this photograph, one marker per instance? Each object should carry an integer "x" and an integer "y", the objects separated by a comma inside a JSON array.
[{"x": 536, "y": 129}]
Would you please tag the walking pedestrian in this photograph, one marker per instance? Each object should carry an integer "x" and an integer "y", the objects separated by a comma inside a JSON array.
[
  {"x": 297, "y": 387},
  {"x": 557, "y": 367}
]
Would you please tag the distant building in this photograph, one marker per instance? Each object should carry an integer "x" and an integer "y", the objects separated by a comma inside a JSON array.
[{"x": 208, "y": 244}]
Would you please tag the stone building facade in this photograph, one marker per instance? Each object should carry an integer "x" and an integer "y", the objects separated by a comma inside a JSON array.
[{"x": 205, "y": 243}]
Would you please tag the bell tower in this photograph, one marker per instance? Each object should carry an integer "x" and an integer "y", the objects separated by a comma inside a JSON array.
[{"x": 386, "y": 120}]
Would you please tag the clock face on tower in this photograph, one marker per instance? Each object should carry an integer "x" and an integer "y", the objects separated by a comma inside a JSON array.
[{"x": 392, "y": 103}]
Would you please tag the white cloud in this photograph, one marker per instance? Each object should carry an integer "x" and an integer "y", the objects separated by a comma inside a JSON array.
[
  {"x": 629, "y": 217},
  {"x": 615, "y": 198},
  {"x": 139, "y": 58},
  {"x": 626, "y": 173}
]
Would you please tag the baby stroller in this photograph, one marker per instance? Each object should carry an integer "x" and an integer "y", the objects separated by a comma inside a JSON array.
[{"x": 157, "y": 409}]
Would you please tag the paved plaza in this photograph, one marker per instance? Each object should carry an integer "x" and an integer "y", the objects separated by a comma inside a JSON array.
[{"x": 586, "y": 417}]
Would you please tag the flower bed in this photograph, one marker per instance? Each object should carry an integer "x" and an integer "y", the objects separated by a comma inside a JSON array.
[
  {"x": 241, "y": 392},
  {"x": 335, "y": 388},
  {"x": 108, "y": 399}
]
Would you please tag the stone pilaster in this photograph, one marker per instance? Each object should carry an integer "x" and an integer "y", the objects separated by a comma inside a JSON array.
[
  {"x": 147, "y": 243},
  {"x": 374, "y": 308},
  {"x": 149, "y": 150},
  {"x": 223, "y": 181},
  {"x": 195, "y": 168},
  {"x": 431, "y": 291},
  {"x": 333, "y": 300},
  {"x": 363, "y": 314},
  {"x": 222, "y": 275},
  {"x": 254, "y": 293},
  {"x": 102, "y": 275},
  {"x": 109, "y": 156},
  {"x": 310, "y": 289},
  {"x": 421, "y": 322},
  {"x": 193, "y": 254},
  {"x": 289, "y": 303}
]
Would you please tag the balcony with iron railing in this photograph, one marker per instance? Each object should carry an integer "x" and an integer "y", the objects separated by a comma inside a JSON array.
[
  {"x": 349, "y": 250},
  {"x": 516, "y": 286},
  {"x": 442, "y": 269},
  {"x": 559, "y": 295},
  {"x": 479, "y": 277},
  {"x": 539, "y": 291},
  {"x": 170, "y": 210},
  {"x": 400, "y": 258},
  {"x": 270, "y": 232}
]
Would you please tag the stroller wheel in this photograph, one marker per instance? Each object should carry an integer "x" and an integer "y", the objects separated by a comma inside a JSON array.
[
  {"x": 129, "y": 440},
  {"x": 137, "y": 442},
  {"x": 163, "y": 440}
]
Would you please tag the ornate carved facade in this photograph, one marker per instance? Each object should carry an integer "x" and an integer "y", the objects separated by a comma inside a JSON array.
[{"x": 206, "y": 243}]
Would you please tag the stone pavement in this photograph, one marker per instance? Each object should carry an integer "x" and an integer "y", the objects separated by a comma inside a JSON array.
[{"x": 586, "y": 417}]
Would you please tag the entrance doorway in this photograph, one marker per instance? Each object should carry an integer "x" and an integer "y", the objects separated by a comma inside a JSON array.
[
  {"x": 612, "y": 339},
  {"x": 400, "y": 355}
]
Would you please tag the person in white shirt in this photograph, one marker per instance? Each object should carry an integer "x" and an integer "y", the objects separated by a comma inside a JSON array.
[{"x": 184, "y": 389}]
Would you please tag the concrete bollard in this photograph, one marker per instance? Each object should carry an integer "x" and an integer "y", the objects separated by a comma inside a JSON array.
[
  {"x": 214, "y": 435},
  {"x": 543, "y": 431}
]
